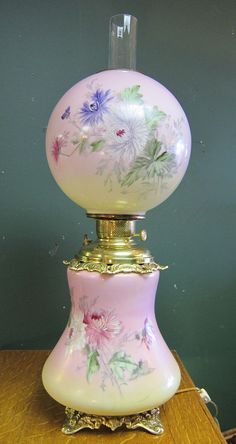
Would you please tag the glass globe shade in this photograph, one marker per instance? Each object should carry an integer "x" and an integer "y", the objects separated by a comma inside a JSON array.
[{"x": 118, "y": 142}]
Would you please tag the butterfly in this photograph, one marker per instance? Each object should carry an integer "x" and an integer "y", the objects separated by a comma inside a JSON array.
[{"x": 66, "y": 113}]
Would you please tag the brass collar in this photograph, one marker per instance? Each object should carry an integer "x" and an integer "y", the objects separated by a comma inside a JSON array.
[{"x": 115, "y": 250}]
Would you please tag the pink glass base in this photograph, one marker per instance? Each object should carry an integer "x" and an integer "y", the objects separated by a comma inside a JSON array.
[{"x": 111, "y": 358}]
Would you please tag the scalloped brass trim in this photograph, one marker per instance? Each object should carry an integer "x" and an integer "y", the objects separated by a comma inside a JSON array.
[
  {"x": 75, "y": 265},
  {"x": 76, "y": 421}
]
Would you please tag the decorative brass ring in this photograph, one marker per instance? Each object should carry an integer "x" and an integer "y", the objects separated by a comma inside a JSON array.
[
  {"x": 117, "y": 216},
  {"x": 76, "y": 265}
]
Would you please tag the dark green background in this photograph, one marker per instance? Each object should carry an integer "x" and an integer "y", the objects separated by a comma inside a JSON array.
[{"x": 190, "y": 46}]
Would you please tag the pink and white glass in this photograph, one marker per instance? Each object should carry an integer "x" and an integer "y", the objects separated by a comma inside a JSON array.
[{"x": 118, "y": 143}]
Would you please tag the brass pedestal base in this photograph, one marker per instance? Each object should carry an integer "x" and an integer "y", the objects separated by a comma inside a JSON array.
[{"x": 76, "y": 421}]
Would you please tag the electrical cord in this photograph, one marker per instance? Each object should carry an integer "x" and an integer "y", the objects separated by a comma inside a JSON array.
[{"x": 205, "y": 398}]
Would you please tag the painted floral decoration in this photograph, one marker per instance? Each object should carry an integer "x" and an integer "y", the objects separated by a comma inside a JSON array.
[
  {"x": 92, "y": 331},
  {"x": 57, "y": 145},
  {"x": 128, "y": 132},
  {"x": 93, "y": 110}
]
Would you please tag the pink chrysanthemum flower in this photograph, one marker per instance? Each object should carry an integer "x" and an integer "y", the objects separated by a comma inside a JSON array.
[{"x": 101, "y": 327}]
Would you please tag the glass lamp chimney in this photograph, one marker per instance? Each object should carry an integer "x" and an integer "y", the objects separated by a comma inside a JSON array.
[{"x": 122, "y": 42}]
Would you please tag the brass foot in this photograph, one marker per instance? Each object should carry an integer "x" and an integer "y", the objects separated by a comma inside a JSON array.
[{"x": 76, "y": 421}]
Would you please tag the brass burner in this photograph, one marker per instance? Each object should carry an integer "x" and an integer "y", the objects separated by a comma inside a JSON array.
[{"x": 115, "y": 250}]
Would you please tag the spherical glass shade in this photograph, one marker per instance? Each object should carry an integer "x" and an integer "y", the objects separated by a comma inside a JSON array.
[{"x": 118, "y": 142}]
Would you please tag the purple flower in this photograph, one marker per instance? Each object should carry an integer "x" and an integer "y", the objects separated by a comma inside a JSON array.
[
  {"x": 66, "y": 113},
  {"x": 92, "y": 112}
]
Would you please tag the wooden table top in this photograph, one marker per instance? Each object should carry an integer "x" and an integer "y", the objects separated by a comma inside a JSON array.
[{"x": 29, "y": 415}]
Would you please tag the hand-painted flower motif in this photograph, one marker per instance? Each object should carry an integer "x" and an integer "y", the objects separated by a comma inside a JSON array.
[
  {"x": 127, "y": 131},
  {"x": 66, "y": 113},
  {"x": 170, "y": 133},
  {"x": 101, "y": 327},
  {"x": 92, "y": 112},
  {"x": 98, "y": 334},
  {"x": 77, "y": 334},
  {"x": 57, "y": 145},
  {"x": 148, "y": 334},
  {"x": 130, "y": 135}
]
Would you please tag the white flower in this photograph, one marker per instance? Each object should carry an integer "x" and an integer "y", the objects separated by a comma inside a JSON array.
[
  {"x": 169, "y": 132},
  {"x": 148, "y": 334},
  {"x": 127, "y": 131},
  {"x": 76, "y": 337}
]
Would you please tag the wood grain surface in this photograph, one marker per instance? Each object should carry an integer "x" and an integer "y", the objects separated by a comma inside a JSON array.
[{"x": 28, "y": 415}]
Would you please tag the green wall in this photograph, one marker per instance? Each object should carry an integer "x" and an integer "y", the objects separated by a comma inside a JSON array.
[{"x": 45, "y": 47}]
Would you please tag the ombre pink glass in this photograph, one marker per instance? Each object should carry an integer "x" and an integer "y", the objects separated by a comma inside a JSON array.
[
  {"x": 118, "y": 144},
  {"x": 111, "y": 358}
]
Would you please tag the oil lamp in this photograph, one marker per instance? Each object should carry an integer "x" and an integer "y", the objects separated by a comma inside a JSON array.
[{"x": 118, "y": 144}]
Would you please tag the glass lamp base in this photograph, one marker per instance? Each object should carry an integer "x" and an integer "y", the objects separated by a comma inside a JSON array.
[{"x": 76, "y": 421}]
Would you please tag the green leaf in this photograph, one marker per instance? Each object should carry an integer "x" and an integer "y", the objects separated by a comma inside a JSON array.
[
  {"x": 82, "y": 146},
  {"x": 153, "y": 148},
  {"x": 93, "y": 364},
  {"x": 97, "y": 145},
  {"x": 150, "y": 165},
  {"x": 121, "y": 362},
  {"x": 142, "y": 369},
  {"x": 79, "y": 144},
  {"x": 137, "y": 171},
  {"x": 153, "y": 116},
  {"x": 132, "y": 95}
]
